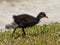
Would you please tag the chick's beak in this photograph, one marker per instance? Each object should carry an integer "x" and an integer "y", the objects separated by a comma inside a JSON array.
[{"x": 46, "y": 16}]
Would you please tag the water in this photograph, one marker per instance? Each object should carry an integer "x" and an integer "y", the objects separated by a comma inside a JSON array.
[{"x": 8, "y": 8}]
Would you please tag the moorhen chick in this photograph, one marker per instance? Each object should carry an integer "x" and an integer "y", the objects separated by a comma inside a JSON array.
[{"x": 26, "y": 20}]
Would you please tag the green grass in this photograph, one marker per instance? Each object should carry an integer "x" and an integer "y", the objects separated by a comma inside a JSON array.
[{"x": 36, "y": 35}]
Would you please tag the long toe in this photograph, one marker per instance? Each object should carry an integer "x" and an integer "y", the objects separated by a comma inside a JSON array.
[
  {"x": 11, "y": 36},
  {"x": 23, "y": 35}
]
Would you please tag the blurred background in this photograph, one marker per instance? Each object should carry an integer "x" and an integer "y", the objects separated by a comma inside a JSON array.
[{"x": 8, "y": 8}]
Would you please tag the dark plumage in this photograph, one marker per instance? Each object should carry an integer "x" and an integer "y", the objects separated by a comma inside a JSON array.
[{"x": 25, "y": 20}]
